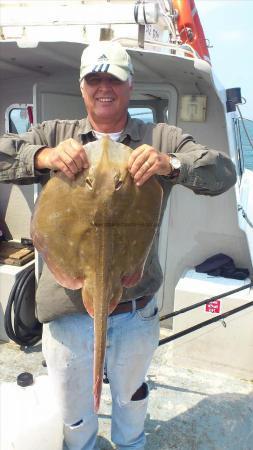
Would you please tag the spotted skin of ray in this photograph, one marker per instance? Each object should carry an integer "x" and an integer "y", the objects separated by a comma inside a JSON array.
[{"x": 95, "y": 233}]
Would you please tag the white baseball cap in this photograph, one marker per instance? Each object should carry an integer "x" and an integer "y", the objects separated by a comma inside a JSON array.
[{"x": 106, "y": 57}]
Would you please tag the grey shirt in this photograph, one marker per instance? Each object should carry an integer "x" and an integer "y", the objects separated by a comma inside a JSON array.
[{"x": 204, "y": 171}]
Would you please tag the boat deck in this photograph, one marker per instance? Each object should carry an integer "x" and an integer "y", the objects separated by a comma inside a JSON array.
[{"x": 188, "y": 410}]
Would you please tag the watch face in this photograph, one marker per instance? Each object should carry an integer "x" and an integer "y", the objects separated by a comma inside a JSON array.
[
  {"x": 175, "y": 166},
  {"x": 174, "y": 161}
]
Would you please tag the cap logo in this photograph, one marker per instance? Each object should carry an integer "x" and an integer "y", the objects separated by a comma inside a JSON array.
[{"x": 103, "y": 58}]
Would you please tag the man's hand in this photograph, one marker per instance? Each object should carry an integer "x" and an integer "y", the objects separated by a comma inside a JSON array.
[
  {"x": 146, "y": 161},
  {"x": 69, "y": 157}
]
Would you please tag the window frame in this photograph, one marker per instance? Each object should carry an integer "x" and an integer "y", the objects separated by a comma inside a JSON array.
[{"x": 10, "y": 108}]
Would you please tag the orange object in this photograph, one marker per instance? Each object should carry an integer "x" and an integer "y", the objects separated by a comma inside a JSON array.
[{"x": 190, "y": 28}]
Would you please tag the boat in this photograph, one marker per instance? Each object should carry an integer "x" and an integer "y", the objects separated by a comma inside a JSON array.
[{"x": 205, "y": 320}]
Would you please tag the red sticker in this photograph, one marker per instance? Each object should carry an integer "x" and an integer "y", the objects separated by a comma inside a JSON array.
[{"x": 213, "y": 307}]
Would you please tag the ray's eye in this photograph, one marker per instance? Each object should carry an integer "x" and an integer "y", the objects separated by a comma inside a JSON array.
[
  {"x": 118, "y": 184},
  {"x": 117, "y": 181},
  {"x": 89, "y": 183}
]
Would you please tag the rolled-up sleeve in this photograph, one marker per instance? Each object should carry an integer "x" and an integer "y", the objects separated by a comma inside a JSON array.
[
  {"x": 17, "y": 155},
  {"x": 205, "y": 171}
]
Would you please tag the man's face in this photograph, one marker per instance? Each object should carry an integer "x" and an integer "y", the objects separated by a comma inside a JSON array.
[{"x": 106, "y": 97}]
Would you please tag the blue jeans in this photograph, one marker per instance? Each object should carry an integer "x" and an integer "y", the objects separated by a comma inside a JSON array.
[{"x": 68, "y": 349}]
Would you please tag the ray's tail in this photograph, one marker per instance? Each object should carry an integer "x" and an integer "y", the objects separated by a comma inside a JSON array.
[
  {"x": 102, "y": 296},
  {"x": 96, "y": 305},
  {"x": 100, "y": 334}
]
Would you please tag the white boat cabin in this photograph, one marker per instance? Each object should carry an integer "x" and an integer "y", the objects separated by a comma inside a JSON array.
[{"x": 40, "y": 49}]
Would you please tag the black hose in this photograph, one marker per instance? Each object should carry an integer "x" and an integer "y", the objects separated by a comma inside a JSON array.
[{"x": 25, "y": 334}]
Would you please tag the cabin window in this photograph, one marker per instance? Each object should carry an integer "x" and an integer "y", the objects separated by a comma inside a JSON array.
[
  {"x": 246, "y": 138},
  {"x": 142, "y": 113},
  {"x": 18, "y": 118}
]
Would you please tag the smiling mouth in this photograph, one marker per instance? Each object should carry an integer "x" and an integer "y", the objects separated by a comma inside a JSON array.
[{"x": 105, "y": 100}]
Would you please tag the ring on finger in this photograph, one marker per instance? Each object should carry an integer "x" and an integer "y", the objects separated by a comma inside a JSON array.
[{"x": 147, "y": 164}]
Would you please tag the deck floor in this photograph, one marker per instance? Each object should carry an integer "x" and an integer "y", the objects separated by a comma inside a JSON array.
[{"x": 188, "y": 409}]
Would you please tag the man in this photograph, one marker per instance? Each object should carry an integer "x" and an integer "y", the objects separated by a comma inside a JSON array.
[{"x": 133, "y": 329}]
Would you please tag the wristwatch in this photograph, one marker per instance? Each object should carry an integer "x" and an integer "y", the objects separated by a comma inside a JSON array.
[{"x": 175, "y": 166}]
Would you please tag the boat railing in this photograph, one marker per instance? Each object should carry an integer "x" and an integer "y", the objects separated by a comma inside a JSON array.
[{"x": 169, "y": 48}]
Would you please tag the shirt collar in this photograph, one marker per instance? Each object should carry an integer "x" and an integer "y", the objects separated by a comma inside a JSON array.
[
  {"x": 131, "y": 130},
  {"x": 84, "y": 127}
]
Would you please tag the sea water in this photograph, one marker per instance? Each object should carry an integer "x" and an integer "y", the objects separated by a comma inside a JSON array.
[{"x": 246, "y": 146}]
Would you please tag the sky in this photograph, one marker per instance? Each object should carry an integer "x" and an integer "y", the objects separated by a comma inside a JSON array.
[{"x": 228, "y": 27}]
